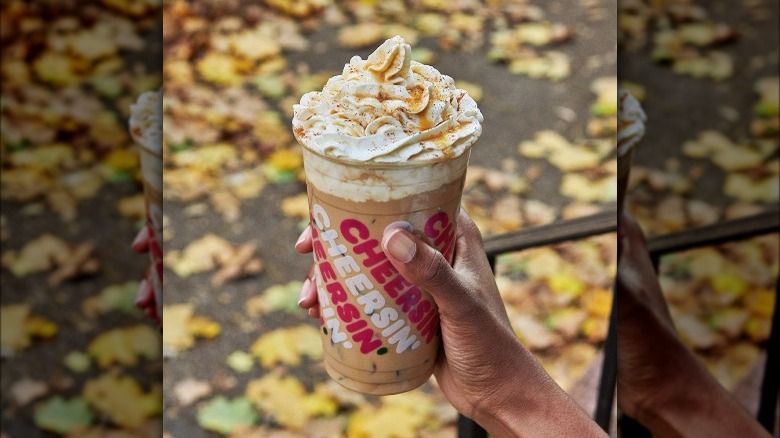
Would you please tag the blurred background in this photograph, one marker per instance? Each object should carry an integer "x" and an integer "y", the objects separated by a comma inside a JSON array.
[
  {"x": 241, "y": 359},
  {"x": 78, "y": 359},
  {"x": 707, "y": 76}
]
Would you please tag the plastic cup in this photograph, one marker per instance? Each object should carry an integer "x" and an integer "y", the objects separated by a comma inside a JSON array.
[{"x": 380, "y": 333}]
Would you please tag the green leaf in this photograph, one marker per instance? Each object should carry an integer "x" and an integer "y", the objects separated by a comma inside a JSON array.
[
  {"x": 283, "y": 297},
  {"x": 603, "y": 109},
  {"x": 271, "y": 86},
  {"x": 77, "y": 361},
  {"x": 107, "y": 85},
  {"x": 766, "y": 109},
  {"x": 240, "y": 361},
  {"x": 224, "y": 416},
  {"x": 60, "y": 416},
  {"x": 277, "y": 176},
  {"x": 119, "y": 297}
]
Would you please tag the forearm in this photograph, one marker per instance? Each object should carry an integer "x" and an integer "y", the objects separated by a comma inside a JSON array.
[
  {"x": 531, "y": 404},
  {"x": 700, "y": 408}
]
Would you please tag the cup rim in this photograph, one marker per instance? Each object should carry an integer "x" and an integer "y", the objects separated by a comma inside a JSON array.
[{"x": 384, "y": 165}]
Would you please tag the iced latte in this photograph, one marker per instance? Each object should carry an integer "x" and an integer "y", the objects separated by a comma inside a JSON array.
[{"x": 387, "y": 140}]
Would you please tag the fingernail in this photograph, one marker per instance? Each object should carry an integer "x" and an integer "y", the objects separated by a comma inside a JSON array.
[
  {"x": 304, "y": 291},
  {"x": 400, "y": 246},
  {"x": 302, "y": 237},
  {"x": 400, "y": 224},
  {"x": 138, "y": 238},
  {"x": 139, "y": 295}
]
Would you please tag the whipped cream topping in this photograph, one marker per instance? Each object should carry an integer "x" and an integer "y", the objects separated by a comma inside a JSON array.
[
  {"x": 146, "y": 121},
  {"x": 388, "y": 108},
  {"x": 631, "y": 121}
]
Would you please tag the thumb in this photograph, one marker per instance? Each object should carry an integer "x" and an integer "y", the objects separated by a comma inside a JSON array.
[{"x": 423, "y": 266}]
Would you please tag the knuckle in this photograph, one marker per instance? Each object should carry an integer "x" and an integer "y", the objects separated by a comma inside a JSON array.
[{"x": 435, "y": 270}]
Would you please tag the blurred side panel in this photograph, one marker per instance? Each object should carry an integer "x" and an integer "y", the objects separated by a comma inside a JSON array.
[{"x": 78, "y": 358}]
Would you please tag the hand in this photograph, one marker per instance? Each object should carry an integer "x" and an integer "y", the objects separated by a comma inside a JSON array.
[
  {"x": 661, "y": 383},
  {"x": 483, "y": 369},
  {"x": 144, "y": 296}
]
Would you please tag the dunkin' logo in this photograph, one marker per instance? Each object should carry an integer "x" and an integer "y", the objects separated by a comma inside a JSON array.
[{"x": 390, "y": 310}]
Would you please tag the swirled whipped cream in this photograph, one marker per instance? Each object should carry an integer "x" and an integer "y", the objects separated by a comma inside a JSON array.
[
  {"x": 146, "y": 121},
  {"x": 631, "y": 121},
  {"x": 388, "y": 108}
]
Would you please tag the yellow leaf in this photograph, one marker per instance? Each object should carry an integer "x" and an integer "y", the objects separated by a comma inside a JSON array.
[
  {"x": 48, "y": 157},
  {"x": 83, "y": 184},
  {"x": 286, "y": 159},
  {"x": 246, "y": 184},
  {"x": 399, "y": 416},
  {"x": 270, "y": 130},
  {"x": 40, "y": 327},
  {"x": 287, "y": 345},
  {"x": 598, "y": 303},
  {"x": 132, "y": 206},
  {"x": 122, "y": 160},
  {"x": 122, "y": 399},
  {"x": 203, "y": 327},
  {"x": 762, "y": 303},
  {"x": 176, "y": 331},
  {"x": 13, "y": 336},
  {"x": 298, "y": 8},
  {"x": 36, "y": 256},
  {"x": 254, "y": 45},
  {"x": 286, "y": 400},
  {"x": 56, "y": 69},
  {"x": 296, "y": 206},
  {"x": 565, "y": 284},
  {"x": 199, "y": 256},
  {"x": 219, "y": 68},
  {"x": 124, "y": 345}
]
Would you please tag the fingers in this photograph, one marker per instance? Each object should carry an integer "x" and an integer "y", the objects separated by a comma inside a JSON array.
[
  {"x": 308, "y": 296},
  {"x": 423, "y": 266},
  {"x": 144, "y": 296},
  {"x": 141, "y": 242},
  {"x": 469, "y": 247},
  {"x": 304, "y": 243}
]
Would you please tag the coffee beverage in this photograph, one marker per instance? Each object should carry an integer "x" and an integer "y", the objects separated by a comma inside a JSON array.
[{"x": 388, "y": 140}]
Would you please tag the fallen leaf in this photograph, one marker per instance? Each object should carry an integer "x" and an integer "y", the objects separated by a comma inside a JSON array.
[
  {"x": 181, "y": 327},
  {"x": 19, "y": 326},
  {"x": 77, "y": 361},
  {"x": 286, "y": 400},
  {"x": 224, "y": 416},
  {"x": 398, "y": 416},
  {"x": 125, "y": 345},
  {"x": 26, "y": 390},
  {"x": 132, "y": 206},
  {"x": 119, "y": 297},
  {"x": 190, "y": 390},
  {"x": 282, "y": 297},
  {"x": 287, "y": 345},
  {"x": 240, "y": 361},
  {"x": 122, "y": 400},
  {"x": 61, "y": 416}
]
